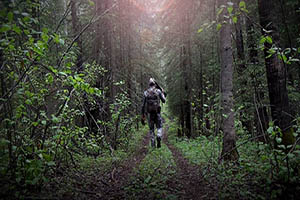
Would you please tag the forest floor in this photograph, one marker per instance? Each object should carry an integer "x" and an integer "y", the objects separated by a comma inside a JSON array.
[
  {"x": 128, "y": 182},
  {"x": 188, "y": 179},
  {"x": 180, "y": 169},
  {"x": 149, "y": 173}
]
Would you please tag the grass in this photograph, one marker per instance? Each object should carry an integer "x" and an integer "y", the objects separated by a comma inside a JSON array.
[
  {"x": 254, "y": 177},
  {"x": 88, "y": 170},
  {"x": 151, "y": 175}
]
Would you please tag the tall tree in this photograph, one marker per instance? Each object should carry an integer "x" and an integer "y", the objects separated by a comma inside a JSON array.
[
  {"x": 276, "y": 72},
  {"x": 229, "y": 151},
  {"x": 76, "y": 29}
]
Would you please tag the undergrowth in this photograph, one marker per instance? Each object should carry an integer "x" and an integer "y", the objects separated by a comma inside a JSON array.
[
  {"x": 87, "y": 172},
  {"x": 152, "y": 175},
  {"x": 261, "y": 173}
]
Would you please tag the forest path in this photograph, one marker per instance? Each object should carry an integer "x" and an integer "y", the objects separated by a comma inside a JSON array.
[
  {"x": 120, "y": 175},
  {"x": 149, "y": 173},
  {"x": 157, "y": 174},
  {"x": 188, "y": 180}
]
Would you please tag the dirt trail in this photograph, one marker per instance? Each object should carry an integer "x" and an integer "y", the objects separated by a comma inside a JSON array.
[
  {"x": 188, "y": 180},
  {"x": 120, "y": 175},
  {"x": 187, "y": 183}
]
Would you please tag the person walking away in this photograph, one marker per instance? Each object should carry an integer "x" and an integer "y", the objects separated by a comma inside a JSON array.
[{"x": 151, "y": 109}]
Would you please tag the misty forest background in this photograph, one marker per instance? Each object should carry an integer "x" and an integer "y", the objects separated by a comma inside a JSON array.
[{"x": 72, "y": 76}]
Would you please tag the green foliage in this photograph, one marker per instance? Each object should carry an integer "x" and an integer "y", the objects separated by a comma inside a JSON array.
[
  {"x": 152, "y": 175},
  {"x": 44, "y": 101},
  {"x": 260, "y": 165}
]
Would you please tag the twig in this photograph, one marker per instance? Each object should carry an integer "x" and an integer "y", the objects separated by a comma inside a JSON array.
[
  {"x": 63, "y": 18},
  {"x": 18, "y": 82}
]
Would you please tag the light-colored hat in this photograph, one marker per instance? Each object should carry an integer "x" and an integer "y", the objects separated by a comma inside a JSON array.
[{"x": 151, "y": 81}]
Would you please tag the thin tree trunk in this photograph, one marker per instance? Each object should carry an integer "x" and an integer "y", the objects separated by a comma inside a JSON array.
[
  {"x": 76, "y": 29},
  {"x": 229, "y": 151}
]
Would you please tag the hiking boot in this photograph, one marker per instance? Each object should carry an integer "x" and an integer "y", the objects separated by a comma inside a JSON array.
[{"x": 158, "y": 142}]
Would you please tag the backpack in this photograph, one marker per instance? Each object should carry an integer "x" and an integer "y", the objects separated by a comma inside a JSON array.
[{"x": 152, "y": 100}]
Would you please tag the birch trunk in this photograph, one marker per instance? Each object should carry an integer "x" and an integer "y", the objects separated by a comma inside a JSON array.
[{"x": 229, "y": 151}]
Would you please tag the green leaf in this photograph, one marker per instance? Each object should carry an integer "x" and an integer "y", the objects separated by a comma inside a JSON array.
[
  {"x": 49, "y": 78},
  {"x": 45, "y": 37},
  {"x": 91, "y": 3},
  {"x": 225, "y": 116},
  {"x": 242, "y": 4},
  {"x": 28, "y": 102},
  {"x": 147, "y": 180},
  {"x": 45, "y": 30},
  {"x": 17, "y": 29},
  {"x": 10, "y": 16},
  {"x": 91, "y": 90},
  {"x": 230, "y": 9},
  {"x": 51, "y": 163},
  {"x": 283, "y": 57},
  {"x": 2, "y": 13},
  {"x": 278, "y": 140},
  {"x": 35, "y": 124},
  {"x": 62, "y": 73},
  {"x": 220, "y": 11},
  {"x": 5, "y": 28},
  {"x": 269, "y": 39},
  {"x": 200, "y": 30},
  {"x": 262, "y": 40},
  {"x": 56, "y": 38},
  {"x": 219, "y": 26},
  {"x": 61, "y": 41},
  {"x": 272, "y": 51},
  {"x": 270, "y": 130},
  {"x": 26, "y": 19},
  {"x": 235, "y": 19},
  {"x": 55, "y": 119},
  {"x": 25, "y": 14},
  {"x": 291, "y": 155}
]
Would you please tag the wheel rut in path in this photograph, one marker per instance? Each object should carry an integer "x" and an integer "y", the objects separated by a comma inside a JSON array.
[
  {"x": 120, "y": 175},
  {"x": 188, "y": 180}
]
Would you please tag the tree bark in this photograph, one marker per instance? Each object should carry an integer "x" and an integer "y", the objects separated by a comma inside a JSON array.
[
  {"x": 276, "y": 72},
  {"x": 76, "y": 29},
  {"x": 229, "y": 151}
]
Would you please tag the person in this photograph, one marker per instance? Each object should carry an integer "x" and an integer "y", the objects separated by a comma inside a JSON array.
[{"x": 151, "y": 109}]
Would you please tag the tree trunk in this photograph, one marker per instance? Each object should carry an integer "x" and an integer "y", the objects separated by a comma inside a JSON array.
[
  {"x": 229, "y": 151},
  {"x": 241, "y": 70},
  {"x": 276, "y": 72},
  {"x": 201, "y": 96},
  {"x": 251, "y": 43},
  {"x": 240, "y": 45},
  {"x": 76, "y": 29}
]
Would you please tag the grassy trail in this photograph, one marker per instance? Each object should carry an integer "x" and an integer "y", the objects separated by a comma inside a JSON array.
[
  {"x": 146, "y": 173},
  {"x": 157, "y": 174}
]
